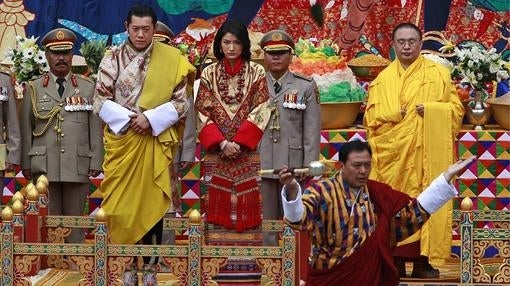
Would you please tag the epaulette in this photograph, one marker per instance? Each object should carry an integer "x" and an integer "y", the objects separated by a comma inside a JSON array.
[
  {"x": 86, "y": 78},
  {"x": 5, "y": 70},
  {"x": 305, "y": 77}
]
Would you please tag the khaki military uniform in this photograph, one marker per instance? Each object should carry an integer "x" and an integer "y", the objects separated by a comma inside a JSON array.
[
  {"x": 64, "y": 146},
  {"x": 297, "y": 141},
  {"x": 9, "y": 123}
]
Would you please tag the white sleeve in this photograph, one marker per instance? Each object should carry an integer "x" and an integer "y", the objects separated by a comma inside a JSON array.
[
  {"x": 162, "y": 117},
  {"x": 437, "y": 194},
  {"x": 115, "y": 115},
  {"x": 292, "y": 210}
]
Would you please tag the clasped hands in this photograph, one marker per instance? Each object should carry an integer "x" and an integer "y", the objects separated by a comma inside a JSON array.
[
  {"x": 230, "y": 150},
  {"x": 420, "y": 109},
  {"x": 140, "y": 124}
]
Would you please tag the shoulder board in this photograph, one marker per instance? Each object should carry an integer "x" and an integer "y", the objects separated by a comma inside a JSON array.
[
  {"x": 39, "y": 76},
  {"x": 5, "y": 70},
  {"x": 305, "y": 77},
  {"x": 85, "y": 78}
]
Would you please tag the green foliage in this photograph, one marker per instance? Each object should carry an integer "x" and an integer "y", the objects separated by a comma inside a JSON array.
[{"x": 93, "y": 52}]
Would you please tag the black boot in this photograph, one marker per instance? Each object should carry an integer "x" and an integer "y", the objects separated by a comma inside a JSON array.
[
  {"x": 423, "y": 270},
  {"x": 400, "y": 263}
]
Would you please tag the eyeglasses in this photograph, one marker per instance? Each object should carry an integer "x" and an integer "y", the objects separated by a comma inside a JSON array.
[{"x": 411, "y": 42}]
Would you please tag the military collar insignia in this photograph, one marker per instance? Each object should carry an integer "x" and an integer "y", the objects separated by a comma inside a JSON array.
[
  {"x": 46, "y": 79},
  {"x": 74, "y": 80}
]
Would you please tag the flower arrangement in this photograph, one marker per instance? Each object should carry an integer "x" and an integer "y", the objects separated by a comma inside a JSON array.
[
  {"x": 28, "y": 61},
  {"x": 195, "y": 54},
  {"x": 477, "y": 68}
]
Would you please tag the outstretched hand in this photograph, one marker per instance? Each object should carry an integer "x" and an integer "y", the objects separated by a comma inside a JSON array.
[
  {"x": 285, "y": 175},
  {"x": 458, "y": 167}
]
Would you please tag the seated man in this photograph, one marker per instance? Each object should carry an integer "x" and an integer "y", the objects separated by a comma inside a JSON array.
[{"x": 354, "y": 223}]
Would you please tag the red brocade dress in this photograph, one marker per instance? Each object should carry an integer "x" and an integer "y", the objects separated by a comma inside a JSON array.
[{"x": 232, "y": 105}]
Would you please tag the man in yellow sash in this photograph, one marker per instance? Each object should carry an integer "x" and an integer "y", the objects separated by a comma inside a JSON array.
[
  {"x": 142, "y": 91},
  {"x": 413, "y": 115}
]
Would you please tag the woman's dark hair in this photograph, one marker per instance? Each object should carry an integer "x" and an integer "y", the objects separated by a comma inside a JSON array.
[
  {"x": 237, "y": 29},
  {"x": 353, "y": 146},
  {"x": 142, "y": 11}
]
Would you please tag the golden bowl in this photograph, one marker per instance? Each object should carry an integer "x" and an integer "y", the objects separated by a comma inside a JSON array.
[
  {"x": 338, "y": 115},
  {"x": 501, "y": 113},
  {"x": 366, "y": 73}
]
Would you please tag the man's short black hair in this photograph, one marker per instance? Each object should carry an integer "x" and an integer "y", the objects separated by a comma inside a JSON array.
[
  {"x": 353, "y": 146},
  {"x": 237, "y": 29},
  {"x": 142, "y": 11},
  {"x": 405, "y": 25}
]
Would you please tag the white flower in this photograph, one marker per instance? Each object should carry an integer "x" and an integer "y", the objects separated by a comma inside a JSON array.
[
  {"x": 501, "y": 75},
  {"x": 28, "y": 61},
  {"x": 40, "y": 58},
  {"x": 477, "y": 67},
  {"x": 28, "y": 53}
]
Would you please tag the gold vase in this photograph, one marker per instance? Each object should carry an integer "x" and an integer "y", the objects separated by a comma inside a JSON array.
[{"x": 478, "y": 112}]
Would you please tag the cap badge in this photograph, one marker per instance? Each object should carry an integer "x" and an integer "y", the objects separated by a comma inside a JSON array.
[
  {"x": 60, "y": 35},
  {"x": 277, "y": 37}
]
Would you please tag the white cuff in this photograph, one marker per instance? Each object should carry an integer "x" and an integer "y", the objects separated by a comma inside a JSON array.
[
  {"x": 162, "y": 117},
  {"x": 223, "y": 144},
  {"x": 115, "y": 115},
  {"x": 437, "y": 194},
  {"x": 292, "y": 210}
]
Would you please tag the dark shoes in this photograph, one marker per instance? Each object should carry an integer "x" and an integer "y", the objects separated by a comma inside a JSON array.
[
  {"x": 400, "y": 263},
  {"x": 423, "y": 270}
]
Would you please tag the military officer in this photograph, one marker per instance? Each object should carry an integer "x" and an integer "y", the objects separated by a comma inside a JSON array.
[
  {"x": 10, "y": 141},
  {"x": 61, "y": 137},
  {"x": 292, "y": 135},
  {"x": 184, "y": 153},
  {"x": 163, "y": 33}
]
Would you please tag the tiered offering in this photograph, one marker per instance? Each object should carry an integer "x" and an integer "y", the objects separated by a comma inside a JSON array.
[{"x": 321, "y": 60}]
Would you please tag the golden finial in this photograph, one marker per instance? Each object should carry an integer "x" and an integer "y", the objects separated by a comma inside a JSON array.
[
  {"x": 28, "y": 187},
  {"x": 466, "y": 204},
  {"x": 17, "y": 207},
  {"x": 7, "y": 214},
  {"x": 194, "y": 217},
  {"x": 32, "y": 194},
  {"x": 41, "y": 187},
  {"x": 43, "y": 179},
  {"x": 18, "y": 196},
  {"x": 101, "y": 215}
]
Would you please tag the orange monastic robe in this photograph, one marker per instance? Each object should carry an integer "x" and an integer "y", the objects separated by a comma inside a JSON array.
[{"x": 410, "y": 151}]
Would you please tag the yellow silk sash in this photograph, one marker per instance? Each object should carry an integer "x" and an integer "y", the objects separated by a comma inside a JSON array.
[
  {"x": 136, "y": 187},
  {"x": 436, "y": 234},
  {"x": 167, "y": 68}
]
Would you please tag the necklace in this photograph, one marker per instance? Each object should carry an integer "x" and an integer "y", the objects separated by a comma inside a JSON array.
[{"x": 223, "y": 86}]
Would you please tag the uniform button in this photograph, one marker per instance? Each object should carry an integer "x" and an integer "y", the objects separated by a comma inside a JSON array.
[
  {"x": 42, "y": 108},
  {"x": 36, "y": 152},
  {"x": 275, "y": 140},
  {"x": 62, "y": 135},
  {"x": 62, "y": 150},
  {"x": 61, "y": 104}
]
